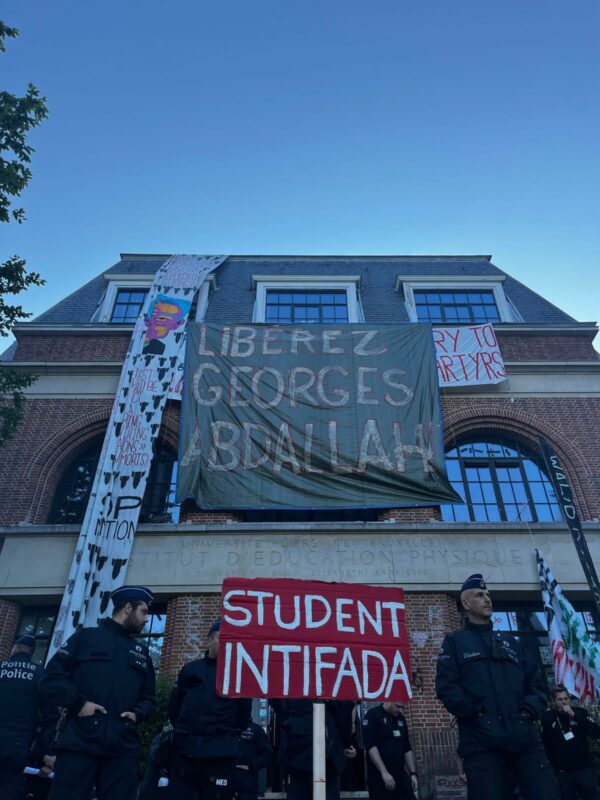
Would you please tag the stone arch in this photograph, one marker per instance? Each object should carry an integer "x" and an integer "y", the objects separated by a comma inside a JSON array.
[
  {"x": 58, "y": 452},
  {"x": 525, "y": 428},
  {"x": 62, "y": 448}
]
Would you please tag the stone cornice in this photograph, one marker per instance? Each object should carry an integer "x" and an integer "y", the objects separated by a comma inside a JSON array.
[{"x": 294, "y": 528}]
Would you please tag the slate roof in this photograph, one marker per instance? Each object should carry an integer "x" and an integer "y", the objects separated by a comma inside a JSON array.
[{"x": 234, "y": 300}]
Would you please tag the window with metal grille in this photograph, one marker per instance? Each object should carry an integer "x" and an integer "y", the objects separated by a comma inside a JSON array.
[
  {"x": 153, "y": 635},
  {"x": 39, "y": 622},
  {"x": 456, "y": 306},
  {"x": 128, "y": 305},
  {"x": 74, "y": 487},
  {"x": 306, "y": 307},
  {"x": 159, "y": 503},
  {"x": 499, "y": 481}
]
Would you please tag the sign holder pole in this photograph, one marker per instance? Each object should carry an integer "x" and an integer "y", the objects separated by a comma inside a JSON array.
[{"x": 319, "y": 777}]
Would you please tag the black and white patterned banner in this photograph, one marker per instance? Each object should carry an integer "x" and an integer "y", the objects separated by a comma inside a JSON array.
[
  {"x": 149, "y": 373},
  {"x": 564, "y": 494}
]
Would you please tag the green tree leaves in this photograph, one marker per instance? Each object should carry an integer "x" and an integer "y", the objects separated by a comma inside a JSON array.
[{"x": 18, "y": 115}]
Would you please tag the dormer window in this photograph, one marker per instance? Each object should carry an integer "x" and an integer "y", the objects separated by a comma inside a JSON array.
[
  {"x": 128, "y": 305},
  {"x": 126, "y": 295},
  {"x": 307, "y": 299},
  {"x": 456, "y": 299},
  {"x": 306, "y": 306},
  {"x": 456, "y": 306}
]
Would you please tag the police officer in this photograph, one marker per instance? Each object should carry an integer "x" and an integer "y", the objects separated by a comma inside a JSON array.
[
  {"x": 389, "y": 754},
  {"x": 565, "y": 732},
  {"x": 485, "y": 679},
  {"x": 256, "y": 754},
  {"x": 104, "y": 678},
  {"x": 20, "y": 716},
  {"x": 206, "y": 726},
  {"x": 297, "y": 745}
]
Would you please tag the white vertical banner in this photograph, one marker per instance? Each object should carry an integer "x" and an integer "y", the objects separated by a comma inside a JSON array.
[
  {"x": 152, "y": 362},
  {"x": 575, "y": 655}
]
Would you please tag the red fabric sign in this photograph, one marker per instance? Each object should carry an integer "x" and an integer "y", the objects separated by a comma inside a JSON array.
[{"x": 312, "y": 639}]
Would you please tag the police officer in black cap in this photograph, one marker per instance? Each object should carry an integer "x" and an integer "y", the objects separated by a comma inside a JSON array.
[
  {"x": 485, "y": 679},
  {"x": 21, "y": 715},
  {"x": 104, "y": 678},
  {"x": 206, "y": 726}
]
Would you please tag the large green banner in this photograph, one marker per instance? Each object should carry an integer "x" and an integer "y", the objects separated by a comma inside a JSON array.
[{"x": 311, "y": 417}]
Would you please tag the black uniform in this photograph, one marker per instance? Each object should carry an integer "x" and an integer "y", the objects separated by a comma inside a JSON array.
[
  {"x": 206, "y": 728},
  {"x": 19, "y": 718},
  {"x": 297, "y": 745},
  {"x": 571, "y": 757},
  {"x": 257, "y": 753},
  {"x": 105, "y": 665},
  {"x": 486, "y": 681},
  {"x": 389, "y": 735}
]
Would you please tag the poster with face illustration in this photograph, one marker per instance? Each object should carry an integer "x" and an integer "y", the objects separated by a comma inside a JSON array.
[{"x": 164, "y": 316}]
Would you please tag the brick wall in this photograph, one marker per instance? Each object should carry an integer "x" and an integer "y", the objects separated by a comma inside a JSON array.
[
  {"x": 71, "y": 348},
  {"x": 428, "y": 618},
  {"x": 55, "y": 431},
  {"x": 415, "y": 514},
  {"x": 542, "y": 347},
  {"x": 524, "y": 347},
  {"x": 569, "y": 424},
  {"x": 9, "y": 621},
  {"x": 191, "y": 514},
  {"x": 189, "y": 618}
]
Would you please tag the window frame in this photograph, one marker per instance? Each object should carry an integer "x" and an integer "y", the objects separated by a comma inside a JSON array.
[
  {"x": 506, "y": 312},
  {"x": 170, "y": 508},
  {"x": 445, "y": 307},
  {"x": 348, "y": 283},
  {"x": 158, "y": 610},
  {"x": 145, "y": 281},
  {"x": 39, "y": 611},
  {"x": 140, "y": 290},
  {"x": 493, "y": 463}
]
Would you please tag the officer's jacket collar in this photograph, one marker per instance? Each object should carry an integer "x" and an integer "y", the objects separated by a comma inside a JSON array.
[
  {"x": 472, "y": 626},
  {"x": 115, "y": 627}
]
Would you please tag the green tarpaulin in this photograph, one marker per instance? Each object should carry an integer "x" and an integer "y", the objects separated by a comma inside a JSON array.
[{"x": 311, "y": 417}]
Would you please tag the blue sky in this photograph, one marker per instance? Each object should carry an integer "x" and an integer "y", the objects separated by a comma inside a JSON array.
[{"x": 297, "y": 126}]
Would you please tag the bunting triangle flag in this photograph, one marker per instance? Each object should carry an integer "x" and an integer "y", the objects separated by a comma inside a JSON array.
[{"x": 575, "y": 654}]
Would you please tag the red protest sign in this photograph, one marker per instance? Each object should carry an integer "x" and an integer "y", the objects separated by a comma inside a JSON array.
[{"x": 312, "y": 639}]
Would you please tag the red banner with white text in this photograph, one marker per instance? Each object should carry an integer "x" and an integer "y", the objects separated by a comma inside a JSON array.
[{"x": 311, "y": 639}]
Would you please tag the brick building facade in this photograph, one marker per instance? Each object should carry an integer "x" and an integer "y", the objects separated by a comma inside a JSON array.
[{"x": 491, "y": 437}]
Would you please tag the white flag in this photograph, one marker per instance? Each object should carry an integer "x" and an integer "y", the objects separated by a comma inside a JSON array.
[{"x": 576, "y": 656}]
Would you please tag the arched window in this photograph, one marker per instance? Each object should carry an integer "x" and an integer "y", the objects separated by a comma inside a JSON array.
[
  {"x": 500, "y": 481},
  {"x": 74, "y": 487}
]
